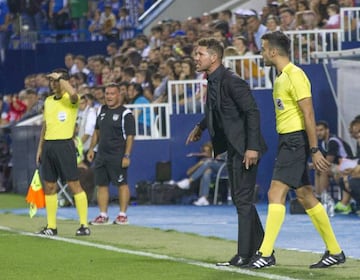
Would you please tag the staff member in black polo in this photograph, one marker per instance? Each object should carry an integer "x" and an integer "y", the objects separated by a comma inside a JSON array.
[
  {"x": 233, "y": 121},
  {"x": 114, "y": 134}
]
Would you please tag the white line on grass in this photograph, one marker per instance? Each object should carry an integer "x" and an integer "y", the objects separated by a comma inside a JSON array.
[{"x": 151, "y": 255}]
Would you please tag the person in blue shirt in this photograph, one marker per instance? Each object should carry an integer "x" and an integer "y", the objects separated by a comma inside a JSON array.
[{"x": 142, "y": 114}]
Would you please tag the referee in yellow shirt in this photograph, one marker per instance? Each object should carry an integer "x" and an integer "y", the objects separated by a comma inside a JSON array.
[
  {"x": 56, "y": 151},
  {"x": 295, "y": 124}
]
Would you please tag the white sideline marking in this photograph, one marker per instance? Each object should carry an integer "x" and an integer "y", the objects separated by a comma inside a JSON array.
[{"x": 152, "y": 255}]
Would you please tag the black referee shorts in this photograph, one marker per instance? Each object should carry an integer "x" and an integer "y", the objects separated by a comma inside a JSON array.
[
  {"x": 291, "y": 162},
  {"x": 58, "y": 160}
]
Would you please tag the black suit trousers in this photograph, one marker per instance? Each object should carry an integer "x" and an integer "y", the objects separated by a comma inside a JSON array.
[{"x": 242, "y": 181}]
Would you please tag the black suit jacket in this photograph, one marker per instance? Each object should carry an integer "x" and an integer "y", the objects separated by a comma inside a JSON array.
[{"x": 239, "y": 116}]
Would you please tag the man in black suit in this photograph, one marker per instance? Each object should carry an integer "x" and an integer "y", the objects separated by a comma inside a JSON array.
[{"x": 233, "y": 121}]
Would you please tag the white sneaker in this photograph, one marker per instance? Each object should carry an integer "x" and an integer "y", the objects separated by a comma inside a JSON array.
[
  {"x": 184, "y": 184},
  {"x": 202, "y": 201}
]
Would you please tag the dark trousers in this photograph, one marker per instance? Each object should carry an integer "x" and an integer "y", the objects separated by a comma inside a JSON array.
[{"x": 242, "y": 181}]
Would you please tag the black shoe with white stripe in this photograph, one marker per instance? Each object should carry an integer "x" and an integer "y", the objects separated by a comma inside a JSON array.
[
  {"x": 328, "y": 260},
  {"x": 258, "y": 261},
  {"x": 83, "y": 231},
  {"x": 48, "y": 231}
]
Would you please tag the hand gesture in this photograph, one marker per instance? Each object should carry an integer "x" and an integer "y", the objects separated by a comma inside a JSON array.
[
  {"x": 55, "y": 76},
  {"x": 195, "y": 135}
]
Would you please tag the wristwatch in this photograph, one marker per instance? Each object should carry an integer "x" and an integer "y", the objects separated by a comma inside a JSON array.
[
  {"x": 314, "y": 150},
  {"x": 126, "y": 156}
]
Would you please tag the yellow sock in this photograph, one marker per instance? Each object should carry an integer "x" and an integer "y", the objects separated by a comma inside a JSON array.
[
  {"x": 51, "y": 202},
  {"x": 322, "y": 224},
  {"x": 82, "y": 207},
  {"x": 274, "y": 221}
]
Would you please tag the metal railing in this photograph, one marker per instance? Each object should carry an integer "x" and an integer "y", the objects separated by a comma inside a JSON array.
[
  {"x": 186, "y": 96},
  {"x": 350, "y": 24},
  {"x": 304, "y": 42},
  {"x": 251, "y": 69},
  {"x": 152, "y": 121}
]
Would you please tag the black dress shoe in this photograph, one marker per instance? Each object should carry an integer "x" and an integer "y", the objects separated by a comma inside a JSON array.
[
  {"x": 235, "y": 261},
  {"x": 241, "y": 262}
]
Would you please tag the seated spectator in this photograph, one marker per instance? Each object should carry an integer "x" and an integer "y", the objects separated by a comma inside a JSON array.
[
  {"x": 108, "y": 23},
  {"x": 306, "y": 20},
  {"x": 272, "y": 23},
  {"x": 248, "y": 69},
  {"x": 34, "y": 104},
  {"x": 17, "y": 109},
  {"x": 189, "y": 97},
  {"x": 69, "y": 61},
  {"x": 156, "y": 39},
  {"x": 287, "y": 20},
  {"x": 4, "y": 110},
  {"x": 106, "y": 75},
  {"x": 142, "y": 46},
  {"x": 124, "y": 25},
  {"x": 142, "y": 77},
  {"x": 334, "y": 17},
  {"x": 349, "y": 182},
  {"x": 302, "y": 5},
  {"x": 334, "y": 149},
  {"x": 349, "y": 179},
  {"x": 241, "y": 44},
  {"x": 354, "y": 131},
  {"x": 85, "y": 123},
  {"x": 42, "y": 85},
  {"x": 95, "y": 27},
  {"x": 204, "y": 169},
  {"x": 255, "y": 31},
  {"x": 141, "y": 114},
  {"x": 350, "y": 20},
  {"x": 59, "y": 16}
]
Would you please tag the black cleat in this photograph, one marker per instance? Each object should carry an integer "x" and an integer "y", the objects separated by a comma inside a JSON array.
[
  {"x": 328, "y": 260},
  {"x": 83, "y": 231},
  {"x": 258, "y": 261},
  {"x": 48, "y": 231}
]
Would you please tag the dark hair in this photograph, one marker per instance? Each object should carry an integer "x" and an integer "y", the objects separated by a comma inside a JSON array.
[
  {"x": 323, "y": 123},
  {"x": 213, "y": 45},
  {"x": 124, "y": 83},
  {"x": 31, "y": 91},
  {"x": 288, "y": 10},
  {"x": 138, "y": 88},
  {"x": 112, "y": 85},
  {"x": 129, "y": 70},
  {"x": 81, "y": 58},
  {"x": 278, "y": 40}
]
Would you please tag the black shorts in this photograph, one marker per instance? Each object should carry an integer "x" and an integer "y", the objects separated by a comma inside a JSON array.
[
  {"x": 291, "y": 162},
  {"x": 109, "y": 170},
  {"x": 58, "y": 160}
]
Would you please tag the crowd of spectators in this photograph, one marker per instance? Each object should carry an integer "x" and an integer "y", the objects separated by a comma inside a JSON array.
[{"x": 67, "y": 20}]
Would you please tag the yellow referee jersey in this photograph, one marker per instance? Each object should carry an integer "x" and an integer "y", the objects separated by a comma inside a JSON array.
[
  {"x": 291, "y": 86},
  {"x": 60, "y": 117}
]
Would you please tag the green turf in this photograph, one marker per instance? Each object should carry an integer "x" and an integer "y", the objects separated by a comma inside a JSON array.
[
  {"x": 10, "y": 200},
  {"x": 58, "y": 260}
]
